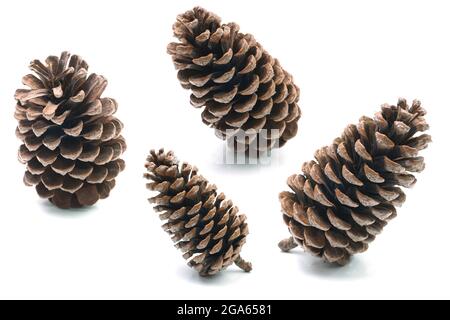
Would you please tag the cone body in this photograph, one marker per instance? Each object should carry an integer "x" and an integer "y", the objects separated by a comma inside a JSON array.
[
  {"x": 347, "y": 195},
  {"x": 203, "y": 224},
  {"x": 72, "y": 142},
  {"x": 246, "y": 96}
]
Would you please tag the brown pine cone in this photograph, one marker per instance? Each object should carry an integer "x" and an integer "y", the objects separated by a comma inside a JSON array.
[
  {"x": 348, "y": 194},
  {"x": 206, "y": 227},
  {"x": 71, "y": 140},
  {"x": 241, "y": 87}
]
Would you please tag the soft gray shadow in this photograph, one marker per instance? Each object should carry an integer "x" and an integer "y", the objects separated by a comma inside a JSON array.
[
  {"x": 225, "y": 277},
  {"x": 355, "y": 269},
  {"x": 70, "y": 213}
]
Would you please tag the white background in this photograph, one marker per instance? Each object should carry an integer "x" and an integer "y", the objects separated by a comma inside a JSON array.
[{"x": 348, "y": 57}]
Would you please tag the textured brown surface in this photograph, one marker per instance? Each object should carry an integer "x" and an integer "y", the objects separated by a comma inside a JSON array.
[
  {"x": 204, "y": 225},
  {"x": 237, "y": 82},
  {"x": 71, "y": 140},
  {"x": 347, "y": 195}
]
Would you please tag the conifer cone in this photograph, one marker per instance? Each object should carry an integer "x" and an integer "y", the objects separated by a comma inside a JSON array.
[
  {"x": 241, "y": 87},
  {"x": 203, "y": 224},
  {"x": 345, "y": 198},
  {"x": 72, "y": 143}
]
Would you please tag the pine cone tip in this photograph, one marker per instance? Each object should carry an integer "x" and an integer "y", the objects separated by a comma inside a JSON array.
[{"x": 194, "y": 22}]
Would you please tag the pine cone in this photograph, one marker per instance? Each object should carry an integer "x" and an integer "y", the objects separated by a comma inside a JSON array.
[
  {"x": 71, "y": 140},
  {"x": 345, "y": 198},
  {"x": 242, "y": 88},
  {"x": 205, "y": 226}
]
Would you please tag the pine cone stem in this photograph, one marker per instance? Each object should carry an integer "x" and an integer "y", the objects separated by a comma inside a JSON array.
[
  {"x": 287, "y": 244},
  {"x": 244, "y": 265}
]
